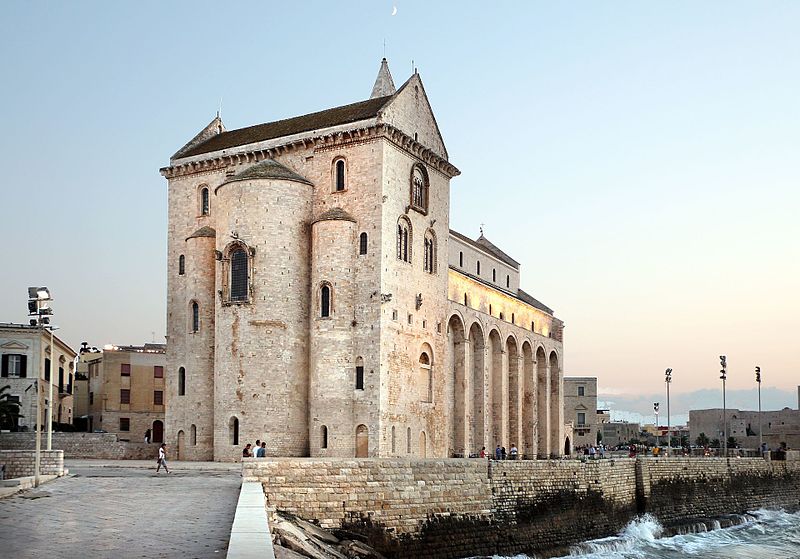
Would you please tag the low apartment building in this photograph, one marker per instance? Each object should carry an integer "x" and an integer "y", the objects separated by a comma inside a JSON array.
[
  {"x": 580, "y": 407},
  {"x": 126, "y": 391}
]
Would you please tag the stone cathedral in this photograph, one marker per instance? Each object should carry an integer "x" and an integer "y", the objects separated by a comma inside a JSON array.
[{"x": 317, "y": 299}]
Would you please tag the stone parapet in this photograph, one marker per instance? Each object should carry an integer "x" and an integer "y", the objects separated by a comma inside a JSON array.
[
  {"x": 105, "y": 446},
  {"x": 465, "y": 507},
  {"x": 22, "y": 463}
]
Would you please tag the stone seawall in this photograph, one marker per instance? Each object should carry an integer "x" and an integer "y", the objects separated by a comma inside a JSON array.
[
  {"x": 677, "y": 490},
  {"x": 458, "y": 508},
  {"x": 105, "y": 446},
  {"x": 22, "y": 463}
]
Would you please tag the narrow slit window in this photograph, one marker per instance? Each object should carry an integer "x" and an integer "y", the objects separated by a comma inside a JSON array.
[
  {"x": 340, "y": 184},
  {"x": 325, "y": 301},
  {"x": 362, "y": 244}
]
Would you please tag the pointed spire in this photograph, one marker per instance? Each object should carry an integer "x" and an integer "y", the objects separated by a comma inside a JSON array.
[{"x": 384, "y": 85}]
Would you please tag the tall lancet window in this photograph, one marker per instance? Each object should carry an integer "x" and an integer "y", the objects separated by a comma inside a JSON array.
[
  {"x": 419, "y": 188},
  {"x": 239, "y": 276}
]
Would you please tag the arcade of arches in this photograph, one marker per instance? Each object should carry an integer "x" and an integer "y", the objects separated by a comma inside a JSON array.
[{"x": 505, "y": 390}]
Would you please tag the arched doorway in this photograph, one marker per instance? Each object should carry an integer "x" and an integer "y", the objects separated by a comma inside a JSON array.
[
  {"x": 556, "y": 405},
  {"x": 567, "y": 447},
  {"x": 180, "y": 450},
  {"x": 478, "y": 425},
  {"x": 528, "y": 402},
  {"x": 542, "y": 391},
  {"x": 158, "y": 431},
  {"x": 362, "y": 441},
  {"x": 457, "y": 348}
]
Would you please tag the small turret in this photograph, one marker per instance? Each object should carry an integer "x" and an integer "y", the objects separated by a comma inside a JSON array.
[{"x": 384, "y": 85}]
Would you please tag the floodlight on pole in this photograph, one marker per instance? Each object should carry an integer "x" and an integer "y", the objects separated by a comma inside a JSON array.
[
  {"x": 655, "y": 410},
  {"x": 760, "y": 438},
  {"x": 667, "y": 381},
  {"x": 38, "y": 306},
  {"x": 723, "y": 361}
]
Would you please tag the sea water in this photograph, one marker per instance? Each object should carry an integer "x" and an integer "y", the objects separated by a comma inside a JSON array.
[{"x": 762, "y": 534}]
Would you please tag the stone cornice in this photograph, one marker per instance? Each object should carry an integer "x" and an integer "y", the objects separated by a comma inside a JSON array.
[{"x": 321, "y": 142}]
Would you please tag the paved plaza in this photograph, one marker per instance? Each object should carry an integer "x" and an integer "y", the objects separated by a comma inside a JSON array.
[{"x": 123, "y": 509}]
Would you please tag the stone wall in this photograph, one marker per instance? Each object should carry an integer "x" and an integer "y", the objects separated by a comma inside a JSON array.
[
  {"x": 104, "y": 446},
  {"x": 22, "y": 463},
  {"x": 680, "y": 489},
  {"x": 461, "y": 507}
]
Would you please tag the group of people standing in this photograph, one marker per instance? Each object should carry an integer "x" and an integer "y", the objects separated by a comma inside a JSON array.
[
  {"x": 260, "y": 450},
  {"x": 591, "y": 451},
  {"x": 500, "y": 453}
]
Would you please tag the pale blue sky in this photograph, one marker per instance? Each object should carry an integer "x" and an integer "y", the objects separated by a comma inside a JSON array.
[{"x": 640, "y": 159}]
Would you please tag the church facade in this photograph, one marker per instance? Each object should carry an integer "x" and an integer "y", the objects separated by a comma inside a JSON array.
[{"x": 317, "y": 299}]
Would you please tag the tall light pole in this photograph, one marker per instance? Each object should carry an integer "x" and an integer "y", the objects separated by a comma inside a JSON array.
[
  {"x": 655, "y": 410},
  {"x": 760, "y": 439},
  {"x": 38, "y": 299},
  {"x": 723, "y": 361},
  {"x": 667, "y": 381}
]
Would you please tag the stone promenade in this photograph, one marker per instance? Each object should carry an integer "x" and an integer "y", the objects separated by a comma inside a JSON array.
[{"x": 123, "y": 509}]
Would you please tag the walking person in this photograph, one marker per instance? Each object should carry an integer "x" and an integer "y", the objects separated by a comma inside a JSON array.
[
  {"x": 514, "y": 451},
  {"x": 497, "y": 453},
  {"x": 502, "y": 453},
  {"x": 162, "y": 457},
  {"x": 147, "y": 437}
]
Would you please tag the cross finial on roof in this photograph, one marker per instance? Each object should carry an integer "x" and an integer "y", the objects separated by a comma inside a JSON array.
[{"x": 482, "y": 224}]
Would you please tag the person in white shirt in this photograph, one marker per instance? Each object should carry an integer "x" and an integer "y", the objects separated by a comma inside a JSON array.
[{"x": 162, "y": 457}]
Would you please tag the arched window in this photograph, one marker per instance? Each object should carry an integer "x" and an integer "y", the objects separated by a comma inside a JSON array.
[
  {"x": 501, "y": 316},
  {"x": 430, "y": 252},
  {"x": 494, "y": 274},
  {"x": 404, "y": 239},
  {"x": 533, "y": 324},
  {"x": 339, "y": 175},
  {"x": 362, "y": 243},
  {"x": 193, "y": 435},
  {"x": 181, "y": 382},
  {"x": 181, "y": 265},
  {"x": 359, "y": 373},
  {"x": 233, "y": 427},
  {"x": 425, "y": 377},
  {"x": 419, "y": 188},
  {"x": 323, "y": 437},
  {"x": 490, "y": 309},
  {"x": 325, "y": 301},
  {"x": 461, "y": 259},
  {"x": 239, "y": 274},
  {"x": 512, "y": 318},
  {"x": 478, "y": 267},
  {"x": 205, "y": 204},
  {"x": 195, "y": 317}
]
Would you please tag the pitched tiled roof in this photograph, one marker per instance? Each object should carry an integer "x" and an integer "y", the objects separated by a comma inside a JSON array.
[
  {"x": 484, "y": 245},
  {"x": 270, "y": 130},
  {"x": 522, "y": 296},
  {"x": 267, "y": 169},
  {"x": 484, "y": 242}
]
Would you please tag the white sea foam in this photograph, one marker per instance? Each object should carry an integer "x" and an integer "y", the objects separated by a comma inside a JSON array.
[{"x": 762, "y": 534}]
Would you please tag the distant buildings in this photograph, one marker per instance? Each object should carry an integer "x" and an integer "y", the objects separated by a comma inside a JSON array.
[
  {"x": 619, "y": 432},
  {"x": 124, "y": 391},
  {"x": 777, "y": 427},
  {"x": 26, "y": 357},
  {"x": 580, "y": 407}
]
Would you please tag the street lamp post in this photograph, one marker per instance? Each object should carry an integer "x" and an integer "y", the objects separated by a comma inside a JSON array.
[
  {"x": 760, "y": 438},
  {"x": 658, "y": 437},
  {"x": 723, "y": 361},
  {"x": 667, "y": 381},
  {"x": 38, "y": 307}
]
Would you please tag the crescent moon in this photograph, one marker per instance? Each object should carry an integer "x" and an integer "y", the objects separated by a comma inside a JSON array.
[{"x": 394, "y": 10}]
